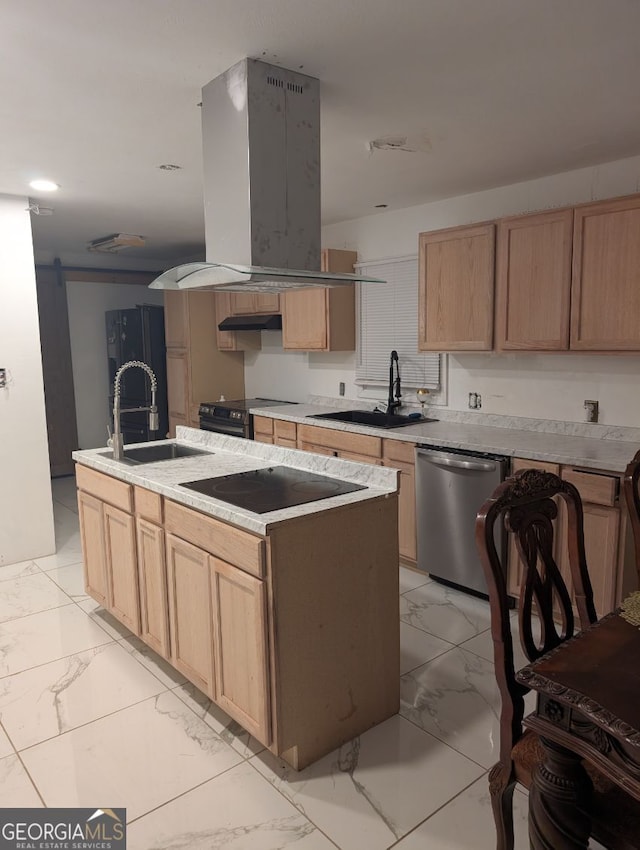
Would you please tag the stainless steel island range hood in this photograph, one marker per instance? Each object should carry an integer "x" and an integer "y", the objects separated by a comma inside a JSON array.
[{"x": 261, "y": 147}]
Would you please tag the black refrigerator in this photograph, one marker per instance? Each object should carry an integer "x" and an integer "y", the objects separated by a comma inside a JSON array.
[{"x": 138, "y": 334}]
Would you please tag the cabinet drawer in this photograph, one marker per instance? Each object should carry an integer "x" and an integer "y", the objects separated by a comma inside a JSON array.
[
  {"x": 105, "y": 487},
  {"x": 284, "y": 430},
  {"x": 262, "y": 425},
  {"x": 398, "y": 450},
  {"x": 593, "y": 487},
  {"x": 148, "y": 504},
  {"x": 238, "y": 547},
  {"x": 340, "y": 440}
]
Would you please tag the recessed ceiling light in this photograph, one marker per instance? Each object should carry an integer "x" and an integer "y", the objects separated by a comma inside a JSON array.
[{"x": 44, "y": 185}]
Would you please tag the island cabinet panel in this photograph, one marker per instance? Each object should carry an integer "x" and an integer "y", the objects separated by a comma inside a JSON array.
[
  {"x": 122, "y": 567},
  {"x": 93, "y": 554},
  {"x": 455, "y": 289},
  {"x": 533, "y": 281},
  {"x": 333, "y": 578},
  {"x": 605, "y": 295},
  {"x": 241, "y": 647},
  {"x": 190, "y": 613},
  {"x": 152, "y": 576},
  {"x": 401, "y": 455}
]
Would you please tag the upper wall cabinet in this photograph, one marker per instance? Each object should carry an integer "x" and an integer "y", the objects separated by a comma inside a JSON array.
[
  {"x": 254, "y": 303},
  {"x": 322, "y": 319},
  {"x": 533, "y": 281},
  {"x": 455, "y": 293},
  {"x": 605, "y": 293}
]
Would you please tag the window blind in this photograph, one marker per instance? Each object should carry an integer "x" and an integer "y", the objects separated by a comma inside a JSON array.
[{"x": 388, "y": 319}]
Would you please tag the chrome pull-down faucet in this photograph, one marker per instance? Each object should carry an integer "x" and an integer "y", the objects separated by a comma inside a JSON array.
[
  {"x": 116, "y": 441},
  {"x": 394, "y": 384}
]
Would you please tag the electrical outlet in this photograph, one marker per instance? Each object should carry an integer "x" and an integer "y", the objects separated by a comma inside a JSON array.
[
  {"x": 478, "y": 401},
  {"x": 473, "y": 401},
  {"x": 341, "y": 387},
  {"x": 591, "y": 406},
  {"x": 3, "y": 378}
]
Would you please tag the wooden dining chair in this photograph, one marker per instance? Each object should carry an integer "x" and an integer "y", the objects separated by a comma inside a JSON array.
[
  {"x": 527, "y": 505},
  {"x": 632, "y": 496}
]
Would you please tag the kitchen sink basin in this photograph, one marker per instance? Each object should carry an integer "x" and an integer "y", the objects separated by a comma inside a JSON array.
[
  {"x": 372, "y": 418},
  {"x": 162, "y": 451}
]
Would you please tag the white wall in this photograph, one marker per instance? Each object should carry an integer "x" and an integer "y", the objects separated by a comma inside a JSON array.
[
  {"x": 87, "y": 303},
  {"x": 26, "y": 507},
  {"x": 550, "y": 386}
]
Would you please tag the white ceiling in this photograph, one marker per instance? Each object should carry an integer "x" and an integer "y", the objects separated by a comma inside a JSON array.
[{"x": 97, "y": 95}]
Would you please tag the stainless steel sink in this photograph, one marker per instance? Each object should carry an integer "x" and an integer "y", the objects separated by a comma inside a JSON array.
[
  {"x": 162, "y": 451},
  {"x": 372, "y": 418}
]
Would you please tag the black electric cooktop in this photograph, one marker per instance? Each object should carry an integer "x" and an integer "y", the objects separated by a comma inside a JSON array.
[{"x": 271, "y": 489}]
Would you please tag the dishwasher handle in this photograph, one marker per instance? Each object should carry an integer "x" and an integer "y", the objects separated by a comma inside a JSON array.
[{"x": 456, "y": 461}]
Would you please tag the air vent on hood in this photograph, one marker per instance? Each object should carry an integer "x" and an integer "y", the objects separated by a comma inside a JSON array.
[
  {"x": 266, "y": 322},
  {"x": 261, "y": 148}
]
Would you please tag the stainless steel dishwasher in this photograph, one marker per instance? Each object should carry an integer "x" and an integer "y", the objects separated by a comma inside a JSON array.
[{"x": 451, "y": 485}]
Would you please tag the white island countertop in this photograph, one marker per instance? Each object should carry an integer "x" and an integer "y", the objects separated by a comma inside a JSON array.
[
  {"x": 605, "y": 448},
  {"x": 227, "y": 455}
]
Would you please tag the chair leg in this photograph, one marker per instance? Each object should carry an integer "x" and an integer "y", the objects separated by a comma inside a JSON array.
[{"x": 501, "y": 785}]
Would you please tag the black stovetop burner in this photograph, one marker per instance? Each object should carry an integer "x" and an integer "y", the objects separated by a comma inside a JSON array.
[{"x": 271, "y": 489}]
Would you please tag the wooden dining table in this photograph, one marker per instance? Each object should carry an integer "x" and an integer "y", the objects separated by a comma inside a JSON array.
[{"x": 588, "y": 707}]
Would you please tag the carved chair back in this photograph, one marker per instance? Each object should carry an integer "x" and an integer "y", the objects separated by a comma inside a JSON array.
[
  {"x": 527, "y": 505},
  {"x": 632, "y": 496}
]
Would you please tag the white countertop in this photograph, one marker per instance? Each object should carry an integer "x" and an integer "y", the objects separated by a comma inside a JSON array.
[
  {"x": 594, "y": 452},
  {"x": 226, "y": 455}
]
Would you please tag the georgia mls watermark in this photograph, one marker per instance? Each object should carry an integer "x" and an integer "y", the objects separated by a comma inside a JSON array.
[{"x": 63, "y": 829}]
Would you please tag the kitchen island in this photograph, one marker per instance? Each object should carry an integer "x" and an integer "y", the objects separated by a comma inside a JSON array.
[{"x": 287, "y": 619}]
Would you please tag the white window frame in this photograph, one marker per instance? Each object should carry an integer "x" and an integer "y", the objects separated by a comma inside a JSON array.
[{"x": 388, "y": 320}]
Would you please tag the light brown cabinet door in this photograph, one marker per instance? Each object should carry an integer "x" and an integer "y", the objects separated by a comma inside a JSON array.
[
  {"x": 242, "y": 303},
  {"x": 176, "y": 325},
  {"x": 178, "y": 384},
  {"x": 304, "y": 320},
  {"x": 122, "y": 567},
  {"x": 152, "y": 575},
  {"x": 455, "y": 289},
  {"x": 406, "y": 511},
  {"x": 190, "y": 612},
  {"x": 92, "y": 537},
  {"x": 599, "y": 493},
  {"x": 266, "y": 302},
  {"x": 241, "y": 648},
  {"x": 322, "y": 319},
  {"x": 605, "y": 294},
  {"x": 533, "y": 281}
]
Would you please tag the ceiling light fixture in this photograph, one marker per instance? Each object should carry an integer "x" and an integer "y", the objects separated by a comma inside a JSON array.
[
  {"x": 169, "y": 166},
  {"x": 44, "y": 185},
  {"x": 115, "y": 242}
]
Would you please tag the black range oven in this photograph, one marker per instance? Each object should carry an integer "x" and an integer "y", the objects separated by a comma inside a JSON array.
[{"x": 232, "y": 417}]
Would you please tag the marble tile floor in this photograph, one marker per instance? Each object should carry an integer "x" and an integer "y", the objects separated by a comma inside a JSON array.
[{"x": 90, "y": 716}]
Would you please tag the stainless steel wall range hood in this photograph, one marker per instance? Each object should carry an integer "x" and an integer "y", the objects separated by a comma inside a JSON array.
[{"x": 261, "y": 147}]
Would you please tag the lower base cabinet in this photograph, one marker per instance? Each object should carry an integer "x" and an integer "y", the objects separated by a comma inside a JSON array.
[
  {"x": 190, "y": 613},
  {"x": 240, "y": 644},
  {"x": 152, "y": 575},
  {"x": 609, "y": 561},
  {"x": 297, "y": 639}
]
